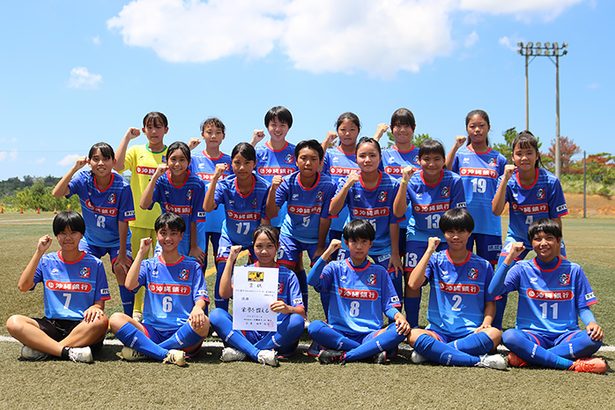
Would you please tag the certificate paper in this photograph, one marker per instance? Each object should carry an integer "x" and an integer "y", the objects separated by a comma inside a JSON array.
[{"x": 254, "y": 290}]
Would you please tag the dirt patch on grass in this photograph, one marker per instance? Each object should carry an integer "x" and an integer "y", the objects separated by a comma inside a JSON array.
[{"x": 596, "y": 205}]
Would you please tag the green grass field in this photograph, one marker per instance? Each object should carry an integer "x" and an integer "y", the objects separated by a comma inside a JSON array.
[{"x": 300, "y": 382}]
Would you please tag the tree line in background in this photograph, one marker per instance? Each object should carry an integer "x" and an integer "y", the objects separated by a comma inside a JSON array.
[{"x": 35, "y": 192}]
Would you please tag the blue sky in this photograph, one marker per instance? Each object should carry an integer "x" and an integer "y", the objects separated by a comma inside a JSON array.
[{"x": 77, "y": 72}]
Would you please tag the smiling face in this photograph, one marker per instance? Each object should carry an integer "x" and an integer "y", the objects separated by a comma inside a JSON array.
[
  {"x": 101, "y": 166},
  {"x": 546, "y": 246},
  {"x": 368, "y": 157},
  {"x": 432, "y": 164},
  {"x": 69, "y": 239},
  {"x": 524, "y": 157},
  {"x": 265, "y": 250},
  {"x": 403, "y": 134},
  {"x": 169, "y": 238},
  {"x": 277, "y": 130},
  {"x": 177, "y": 163}
]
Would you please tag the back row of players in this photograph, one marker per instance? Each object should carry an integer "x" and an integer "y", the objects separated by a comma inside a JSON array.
[{"x": 402, "y": 192}]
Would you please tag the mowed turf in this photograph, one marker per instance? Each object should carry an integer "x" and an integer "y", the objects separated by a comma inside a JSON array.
[{"x": 300, "y": 382}]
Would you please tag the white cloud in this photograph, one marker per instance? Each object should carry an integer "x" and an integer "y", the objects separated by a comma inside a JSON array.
[
  {"x": 96, "y": 40},
  {"x": 471, "y": 39},
  {"x": 81, "y": 78},
  {"x": 10, "y": 155},
  {"x": 522, "y": 9},
  {"x": 69, "y": 160},
  {"x": 507, "y": 42}
]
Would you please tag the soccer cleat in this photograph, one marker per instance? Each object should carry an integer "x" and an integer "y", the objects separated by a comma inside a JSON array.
[
  {"x": 515, "y": 361},
  {"x": 131, "y": 355},
  {"x": 331, "y": 356},
  {"x": 381, "y": 358},
  {"x": 417, "y": 358},
  {"x": 492, "y": 361},
  {"x": 589, "y": 365},
  {"x": 268, "y": 357},
  {"x": 230, "y": 354},
  {"x": 80, "y": 354},
  {"x": 314, "y": 349},
  {"x": 177, "y": 357},
  {"x": 27, "y": 353}
]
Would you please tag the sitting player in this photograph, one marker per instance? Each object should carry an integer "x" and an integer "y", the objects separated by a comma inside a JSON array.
[
  {"x": 75, "y": 290},
  {"x": 460, "y": 308},
  {"x": 175, "y": 300},
  {"x": 553, "y": 294},
  {"x": 360, "y": 294},
  {"x": 262, "y": 347}
]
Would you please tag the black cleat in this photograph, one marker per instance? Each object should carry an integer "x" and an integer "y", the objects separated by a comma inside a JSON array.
[
  {"x": 331, "y": 356},
  {"x": 381, "y": 358}
]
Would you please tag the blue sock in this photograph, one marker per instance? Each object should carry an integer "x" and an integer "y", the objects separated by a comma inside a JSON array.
[
  {"x": 128, "y": 300},
  {"x": 184, "y": 337},
  {"x": 220, "y": 302},
  {"x": 523, "y": 346},
  {"x": 475, "y": 344},
  {"x": 500, "y": 306},
  {"x": 303, "y": 286},
  {"x": 387, "y": 340},
  {"x": 439, "y": 352},
  {"x": 413, "y": 305},
  {"x": 222, "y": 322},
  {"x": 135, "y": 339},
  {"x": 576, "y": 346},
  {"x": 322, "y": 334},
  {"x": 286, "y": 338}
]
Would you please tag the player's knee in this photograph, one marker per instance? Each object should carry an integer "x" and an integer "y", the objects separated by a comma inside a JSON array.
[
  {"x": 14, "y": 324},
  {"x": 316, "y": 326},
  {"x": 117, "y": 320},
  {"x": 217, "y": 315},
  {"x": 511, "y": 337},
  {"x": 494, "y": 334}
]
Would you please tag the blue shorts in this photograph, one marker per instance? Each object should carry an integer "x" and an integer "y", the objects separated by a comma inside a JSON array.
[
  {"x": 549, "y": 339},
  {"x": 224, "y": 249},
  {"x": 445, "y": 337},
  {"x": 415, "y": 251},
  {"x": 290, "y": 251},
  {"x": 487, "y": 246},
  {"x": 100, "y": 251}
]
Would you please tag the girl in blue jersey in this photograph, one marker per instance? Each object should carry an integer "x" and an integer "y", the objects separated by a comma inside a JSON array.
[
  {"x": 107, "y": 206},
  {"x": 203, "y": 165},
  {"x": 243, "y": 196},
  {"x": 262, "y": 347},
  {"x": 429, "y": 193},
  {"x": 75, "y": 291},
  {"x": 479, "y": 167},
  {"x": 179, "y": 191},
  {"x": 174, "y": 320},
  {"x": 553, "y": 294},
  {"x": 460, "y": 308},
  {"x": 532, "y": 193},
  {"x": 361, "y": 293}
]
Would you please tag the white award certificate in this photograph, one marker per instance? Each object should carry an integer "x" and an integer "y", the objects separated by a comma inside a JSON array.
[{"x": 254, "y": 290}]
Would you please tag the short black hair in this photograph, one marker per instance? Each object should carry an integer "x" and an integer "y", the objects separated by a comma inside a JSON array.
[
  {"x": 155, "y": 118},
  {"x": 548, "y": 226},
  {"x": 311, "y": 144},
  {"x": 216, "y": 122},
  {"x": 403, "y": 116},
  {"x": 431, "y": 147},
  {"x": 181, "y": 146},
  {"x": 245, "y": 150},
  {"x": 272, "y": 233},
  {"x": 481, "y": 113},
  {"x": 369, "y": 140},
  {"x": 359, "y": 229},
  {"x": 350, "y": 116},
  {"x": 281, "y": 113},
  {"x": 105, "y": 150},
  {"x": 458, "y": 219},
  {"x": 68, "y": 219},
  {"x": 525, "y": 139},
  {"x": 171, "y": 221}
]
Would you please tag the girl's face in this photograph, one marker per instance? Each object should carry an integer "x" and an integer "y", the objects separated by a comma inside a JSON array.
[
  {"x": 212, "y": 136},
  {"x": 546, "y": 246},
  {"x": 242, "y": 167},
  {"x": 403, "y": 134},
  {"x": 368, "y": 157},
  {"x": 359, "y": 248},
  {"x": 525, "y": 158},
  {"x": 478, "y": 130},
  {"x": 277, "y": 130},
  {"x": 101, "y": 166},
  {"x": 432, "y": 163},
  {"x": 457, "y": 239},
  {"x": 168, "y": 238},
  {"x": 348, "y": 133},
  {"x": 155, "y": 131},
  {"x": 177, "y": 163},
  {"x": 69, "y": 239},
  {"x": 265, "y": 250},
  {"x": 308, "y": 162}
]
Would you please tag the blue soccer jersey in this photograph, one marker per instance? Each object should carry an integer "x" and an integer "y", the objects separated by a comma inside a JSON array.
[
  {"x": 338, "y": 165},
  {"x": 457, "y": 294},
  {"x": 171, "y": 291},
  {"x": 184, "y": 200},
  {"x": 543, "y": 199},
  {"x": 549, "y": 299},
  {"x": 376, "y": 206},
  {"x": 394, "y": 161},
  {"x": 243, "y": 213},
  {"x": 204, "y": 167},
  {"x": 71, "y": 288},
  {"x": 359, "y": 296},
  {"x": 305, "y": 206},
  {"x": 430, "y": 202},
  {"x": 479, "y": 172},
  {"x": 103, "y": 208}
]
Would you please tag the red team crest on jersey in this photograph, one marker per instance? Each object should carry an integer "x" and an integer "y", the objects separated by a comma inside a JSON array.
[
  {"x": 184, "y": 274},
  {"x": 319, "y": 196},
  {"x": 371, "y": 279},
  {"x": 84, "y": 272},
  {"x": 289, "y": 159},
  {"x": 189, "y": 195},
  {"x": 382, "y": 196},
  {"x": 445, "y": 192},
  {"x": 254, "y": 203},
  {"x": 564, "y": 279},
  {"x": 112, "y": 199},
  {"x": 492, "y": 162},
  {"x": 540, "y": 194},
  {"x": 473, "y": 274},
  {"x": 280, "y": 288}
]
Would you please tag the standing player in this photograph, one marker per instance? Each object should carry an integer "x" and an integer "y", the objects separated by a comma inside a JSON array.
[
  {"x": 107, "y": 206},
  {"x": 360, "y": 294},
  {"x": 307, "y": 194},
  {"x": 479, "y": 167},
  {"x": 75, "y": 291},
  {"x": 142, "y": 161},
  {"x": 244, "y": 196},
  {"x": 460, "y": 308},
  {"x": 532, "y": 193},
  {"x": 430, "y": 193},
  {"x": 262, "y": 347},
  {"x": 203, "y": 165},
  {"x": 553, "y": 294},
  {"x": 174, "y": 320}
]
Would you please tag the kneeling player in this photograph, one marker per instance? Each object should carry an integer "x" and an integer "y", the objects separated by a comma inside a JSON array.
[
  {"x": 75, "y": 288},
  {"x": 360, "y": 293},
  {"x": 553, "y": 294},
  {"x": 460, "y": 308},
  {"x": 262, "y": 347},
  {"x": 175, "y": 300}
]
